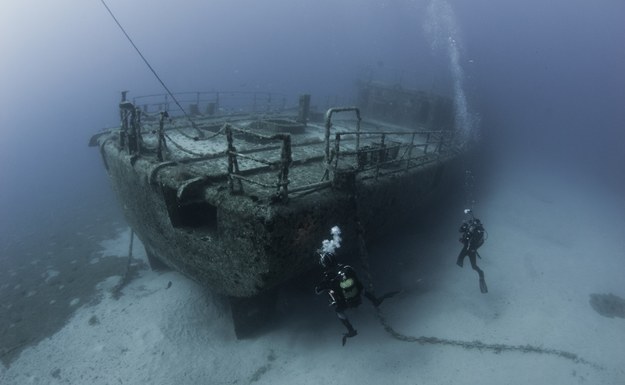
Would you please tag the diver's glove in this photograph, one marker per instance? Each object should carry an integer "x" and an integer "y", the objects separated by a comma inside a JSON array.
[{"x": 351, "y": 333}]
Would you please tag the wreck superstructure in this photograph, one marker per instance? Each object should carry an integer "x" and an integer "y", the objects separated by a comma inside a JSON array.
[{"x": 238, "y": 199}]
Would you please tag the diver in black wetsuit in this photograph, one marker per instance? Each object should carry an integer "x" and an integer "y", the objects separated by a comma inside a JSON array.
[
  {"x": 472, "y": 238},
  {"x": 344, "y": 290}
]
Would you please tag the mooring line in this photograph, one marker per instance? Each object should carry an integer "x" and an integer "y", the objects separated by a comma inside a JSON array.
[
  {"x": 424, "y": 340},
  {"x": 481, "y": 346},
  {"x": 147, "y": 63},
  {"x": 125, "y": 280}
]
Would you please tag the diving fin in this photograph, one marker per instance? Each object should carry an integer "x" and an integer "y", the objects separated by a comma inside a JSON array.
[
  {"x": 378, "y": 301},
  {"x": 351, "y": 333},
  {"x": 483, "y": 287},
  {"x": 385, "y": 296}
]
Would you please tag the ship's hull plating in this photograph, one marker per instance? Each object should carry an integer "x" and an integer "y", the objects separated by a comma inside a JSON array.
[{"x": 240, "y": 246}]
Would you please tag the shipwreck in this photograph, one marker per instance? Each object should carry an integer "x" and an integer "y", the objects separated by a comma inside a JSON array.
[{"x": 237, "y": 190}]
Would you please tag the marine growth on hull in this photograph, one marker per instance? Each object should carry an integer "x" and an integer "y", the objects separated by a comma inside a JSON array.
[{"x": 236, "y": 190}]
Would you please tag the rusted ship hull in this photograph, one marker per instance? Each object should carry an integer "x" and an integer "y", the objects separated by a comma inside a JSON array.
[
  {"x": 240, "y": 246},
  {"x": 241, "y": 202}
]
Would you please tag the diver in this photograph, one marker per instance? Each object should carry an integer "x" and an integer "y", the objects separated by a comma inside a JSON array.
[
  {"x": 472, "y": 238},
  {"x": 344, "y": 290}
]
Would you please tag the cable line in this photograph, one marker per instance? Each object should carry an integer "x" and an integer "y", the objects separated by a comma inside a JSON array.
[
  {"x": 423, "y": 340},
  {"x": 150, "y": 67}
]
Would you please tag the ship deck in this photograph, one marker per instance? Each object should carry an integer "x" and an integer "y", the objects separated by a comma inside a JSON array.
[
  {"x": 369, "y": 147},
  {"x": 239, "y": 201}
]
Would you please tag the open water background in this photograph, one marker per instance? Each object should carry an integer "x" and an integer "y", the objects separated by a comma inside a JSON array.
[{"x": 541, "y": 83}]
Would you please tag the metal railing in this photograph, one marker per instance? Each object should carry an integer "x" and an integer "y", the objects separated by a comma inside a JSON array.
[
  {"x": 235, "y": 174},
  {"x": 213, "y": 103},
  {"x": 383, "y": 156},
  {"x": 380, "y": 157}
]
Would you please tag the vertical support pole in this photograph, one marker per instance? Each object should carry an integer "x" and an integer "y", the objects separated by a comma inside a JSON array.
[
  {"x": 286, "y": 160},
  {"x": 132, "y": 136},
  {"x": 210, "y": 109},
  {"x": 233, "y": 166},
  {"x": 381, "y": 156},
  {"x": 230, "y": 155},
  {"x": 329, "y": 113},
  {"x": 337, "y": 146},
  {"x": 304, "y": 108},
  {"x": 410, "y": 150},
  {"x": 138, "y": 129},
  {"x": 327, "y": 142},
  {"x": 439, "y": 147},
  {"x": 161, "y": 136},
  {"x": 123, "y": 120},
  {"x": 129, "y": 126},
  {"x": 358, "y": 130}
]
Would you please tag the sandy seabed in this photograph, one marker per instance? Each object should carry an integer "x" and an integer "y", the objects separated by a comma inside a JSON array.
[{"x": 551, "y": 245}]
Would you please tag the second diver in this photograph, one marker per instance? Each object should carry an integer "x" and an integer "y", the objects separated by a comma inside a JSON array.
[{"x": 472, "y": 238}]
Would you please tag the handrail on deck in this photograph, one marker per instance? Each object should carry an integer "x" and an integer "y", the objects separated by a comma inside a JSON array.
[
  {"x": 284, "y": 163},
  {"x": 440, "y": 138},
  {"x": 250, "y": 101},
  {"x": 381, "y": 152},
  {"x": 328, "y": 126}
]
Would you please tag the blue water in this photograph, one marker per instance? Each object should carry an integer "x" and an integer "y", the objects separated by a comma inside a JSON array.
[
  {"x": 538, "y": 83},
  {"x": 441, "y": 28}
]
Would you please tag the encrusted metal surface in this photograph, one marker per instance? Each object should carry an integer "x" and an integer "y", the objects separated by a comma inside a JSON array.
[{"x": 242, "y": 207}]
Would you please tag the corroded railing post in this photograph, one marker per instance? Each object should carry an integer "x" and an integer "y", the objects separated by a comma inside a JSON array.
[
  {"x": 285, "y": 159},
  {"x": 439, "y": 146},
  {"x": 304, "y": 108},
  {"x": 129, "y": 127},
  {"x": 410, "y": 150},
  {"x": 381, "y": 156},
  {"x": 337, "y": 146},
  {"x": 427, "y": 143},
  {"x": 123, "y": 118},
  {"x": 328, "y": 126},
  {"x": 233, "y": 165},
  {"x": 161, "y": 136},
  {"x": 137, "y": 129},
  {"x": 358, "y": 131}
]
